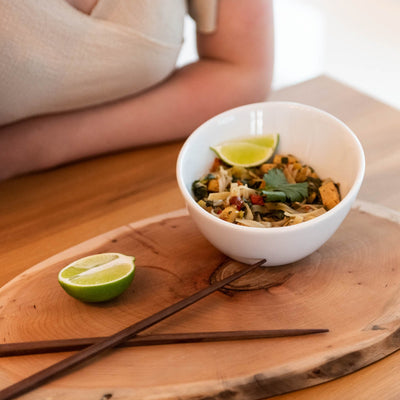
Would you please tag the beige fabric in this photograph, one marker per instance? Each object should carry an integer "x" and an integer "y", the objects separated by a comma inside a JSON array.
[
  {"x": 204, "y": 12},
  {"x": 55, "y": 58}
]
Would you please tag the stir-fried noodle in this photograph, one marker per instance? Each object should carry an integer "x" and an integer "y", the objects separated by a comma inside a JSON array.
[{"x": 284, "y": 192}]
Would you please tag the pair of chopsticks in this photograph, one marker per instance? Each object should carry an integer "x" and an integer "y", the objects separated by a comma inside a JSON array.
[{"x": 91, "y": 347}]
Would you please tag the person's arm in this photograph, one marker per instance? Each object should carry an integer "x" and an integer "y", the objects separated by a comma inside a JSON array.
[{"x": 234, "y": 67}]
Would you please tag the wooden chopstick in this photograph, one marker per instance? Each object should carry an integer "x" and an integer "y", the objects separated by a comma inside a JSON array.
[
  {"x": 119, "y": 337},
  {"x": 60, "y": 345}
]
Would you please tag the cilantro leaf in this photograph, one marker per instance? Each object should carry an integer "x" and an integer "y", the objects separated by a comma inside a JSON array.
[{"x": 276, "y": 181}]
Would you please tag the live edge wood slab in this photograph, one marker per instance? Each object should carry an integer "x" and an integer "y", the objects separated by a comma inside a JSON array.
[{"x": 336, "y": 288}]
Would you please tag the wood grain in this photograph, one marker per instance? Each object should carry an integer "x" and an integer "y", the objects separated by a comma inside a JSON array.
[
  {"x": 45, "y": 213},
  {"x": 98, "y": 348},
  {"x": 334, "y": 287}
]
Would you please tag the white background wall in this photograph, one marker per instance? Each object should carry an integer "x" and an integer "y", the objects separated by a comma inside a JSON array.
[{"x": 354, "y": 41}]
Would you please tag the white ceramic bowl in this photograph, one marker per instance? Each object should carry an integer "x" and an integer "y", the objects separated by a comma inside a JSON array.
[{"x": 315, "y": 137}]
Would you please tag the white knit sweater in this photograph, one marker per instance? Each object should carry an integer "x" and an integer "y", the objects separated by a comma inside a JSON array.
[{"x": 55, "y": 58}]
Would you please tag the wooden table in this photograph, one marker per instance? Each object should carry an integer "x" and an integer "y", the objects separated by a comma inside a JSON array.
[{"x": 44, "y": 213}]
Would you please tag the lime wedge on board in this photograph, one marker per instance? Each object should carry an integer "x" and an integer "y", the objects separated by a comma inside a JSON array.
[{"x": 98, "y": 277}]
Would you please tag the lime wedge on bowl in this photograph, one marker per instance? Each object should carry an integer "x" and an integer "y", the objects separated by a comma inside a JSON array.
[
  {"x": 271, "y": 140},
  {"x": 98, "y": 277},
  {"x": 248, "y": 151}
]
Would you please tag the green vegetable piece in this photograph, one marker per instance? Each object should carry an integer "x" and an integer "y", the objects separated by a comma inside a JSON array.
[
  {"x": 199, "y": 190},
  {"x": 271, "y": 195},
  {"x": 208, "y": 178},
  {"x": 276, "y": 181},
  {"x": 276, "y": 215}
]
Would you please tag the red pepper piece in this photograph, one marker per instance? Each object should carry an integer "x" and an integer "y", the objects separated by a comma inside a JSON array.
[
  {"x": 216, "y": 164},
  {"x": 257, "y": 199},
  {"x": 236, "y": 201}
]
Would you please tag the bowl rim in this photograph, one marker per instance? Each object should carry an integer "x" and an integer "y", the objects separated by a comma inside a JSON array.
[{"x": 349, "y": 197}]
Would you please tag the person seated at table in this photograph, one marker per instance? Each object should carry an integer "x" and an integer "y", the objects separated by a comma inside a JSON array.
[{"x": 79, "y": 78}]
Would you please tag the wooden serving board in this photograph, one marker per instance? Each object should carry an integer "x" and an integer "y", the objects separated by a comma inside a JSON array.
[{"x": 351, "y": 285}]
